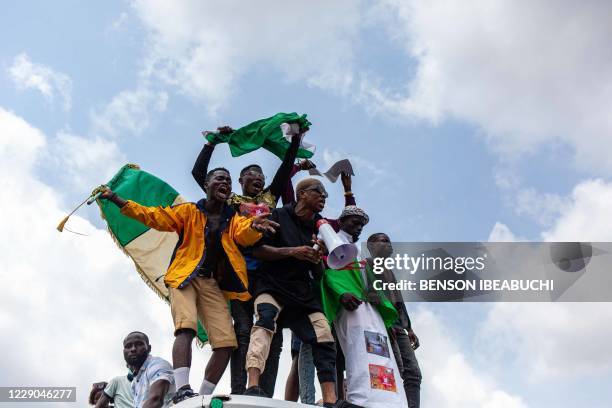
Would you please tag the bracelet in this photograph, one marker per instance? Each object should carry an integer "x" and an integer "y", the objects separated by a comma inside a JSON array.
[{"x": 348, "y": 193}]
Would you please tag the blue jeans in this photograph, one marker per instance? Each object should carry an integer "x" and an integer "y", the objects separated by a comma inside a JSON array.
[
  {"x": 306, "y": 371},
  {"x": 409, "y": 369}
]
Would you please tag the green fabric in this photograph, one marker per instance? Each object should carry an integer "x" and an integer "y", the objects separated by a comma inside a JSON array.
[
  {"x": 265, "y": 133},
  {"x": 134, "y": 184},
  {"x": 202, "y": 335},
  {"x": 137, "y": 185},
  {"x": 337, "y": 282}
]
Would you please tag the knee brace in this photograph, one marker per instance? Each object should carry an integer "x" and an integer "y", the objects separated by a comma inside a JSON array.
[{"x": 266, "y": 316}]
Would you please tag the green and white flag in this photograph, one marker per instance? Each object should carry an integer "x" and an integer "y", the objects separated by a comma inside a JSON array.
[
  {"x": 273, "y": 134},
  {"x": 151, "y": 250}
]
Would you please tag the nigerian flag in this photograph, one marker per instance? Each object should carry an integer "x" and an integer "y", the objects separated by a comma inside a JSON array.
[
  {"x": 151, "y": 250},
  {"x": 273, "y": 134}
]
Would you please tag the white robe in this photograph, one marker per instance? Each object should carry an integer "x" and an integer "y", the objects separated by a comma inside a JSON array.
[{"x": 372, "y": 376}]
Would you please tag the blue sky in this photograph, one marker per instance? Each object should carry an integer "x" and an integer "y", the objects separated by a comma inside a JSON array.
[{"x": 472, "y": 122}]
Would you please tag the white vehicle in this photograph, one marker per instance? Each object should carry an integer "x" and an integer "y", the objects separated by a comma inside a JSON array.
[{"x": 236, "y": 401}]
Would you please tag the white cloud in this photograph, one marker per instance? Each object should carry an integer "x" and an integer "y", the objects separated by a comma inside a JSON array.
[
  {"x": 501, "y": 233},
  {"x": 206, "y": 55},
  {"x": 587, "y": 216},
  {"x": 67, "y": 300},
  {"x": 450, "y": 380},
  {"x": 28, "y": 75},
  {"x": 541, "y": 207},
  {"x": 129, "y": 111},
  {"x": 526, "y": 73},
  {"x": 118, "y": 23},
  {"x": 549, "y": 341},
  {"x": 85, "y": 162}
]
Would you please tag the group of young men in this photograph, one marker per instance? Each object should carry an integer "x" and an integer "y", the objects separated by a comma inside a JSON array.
[{"x": 270, "y": 264}]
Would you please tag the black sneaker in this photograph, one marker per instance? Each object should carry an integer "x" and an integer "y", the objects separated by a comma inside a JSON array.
[
  {"x": 256, "y": 391},
  {"x": 183, "y": 394}
]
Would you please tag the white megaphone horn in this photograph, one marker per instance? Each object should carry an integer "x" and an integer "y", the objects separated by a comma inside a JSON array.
[{"x": 340, "y": 253}]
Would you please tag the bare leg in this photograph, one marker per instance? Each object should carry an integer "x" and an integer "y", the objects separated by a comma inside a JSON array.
[
  {"x": 293, "y": 382},
  {"x": 254, "y": 374},
  {"x": 181, "y": 350},
  {"x": 217, "y": 364},
  {"x": 329, "y": 391}
]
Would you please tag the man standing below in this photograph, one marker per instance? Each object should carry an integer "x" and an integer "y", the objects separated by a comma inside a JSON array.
[
  {"x": 254, "y": 199},
  {"x": 206, "y": 261},
  {"x": 405, "y": 341},
  {"x": 361, "y": 320},
  {"x": 285, "y": 292},
  {"x": 152, "y": 381}
]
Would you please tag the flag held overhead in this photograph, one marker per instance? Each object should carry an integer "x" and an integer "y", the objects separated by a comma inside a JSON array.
[{"x": 272, "y": 134}]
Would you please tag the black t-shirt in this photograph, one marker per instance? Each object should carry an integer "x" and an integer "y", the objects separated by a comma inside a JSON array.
[{"x": 290, "y": 280}]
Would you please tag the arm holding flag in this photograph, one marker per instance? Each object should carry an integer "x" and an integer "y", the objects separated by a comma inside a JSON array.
[
  {"x": 200, "y": 167},
  {"x": 159, "y": 218},
  {"x": 283, "y": 174}
]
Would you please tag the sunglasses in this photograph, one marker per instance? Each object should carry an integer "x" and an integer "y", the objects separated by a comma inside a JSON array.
[
  {"x": 254, "y": 174},
  {"x": 318, "y": 189}
]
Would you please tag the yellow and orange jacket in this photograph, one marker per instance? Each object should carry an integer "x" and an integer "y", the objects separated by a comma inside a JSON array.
[{"x": 189, "y": 221}]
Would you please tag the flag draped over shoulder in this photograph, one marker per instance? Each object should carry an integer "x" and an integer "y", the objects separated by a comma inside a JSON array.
[
  {"x": 349, "y": 280},
  {"x": 267, "y": 133},
  {"x": 150, "y": 250}
]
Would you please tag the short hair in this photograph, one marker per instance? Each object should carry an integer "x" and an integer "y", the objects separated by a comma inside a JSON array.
[
  {"x": 372, "y": 237},
  {"x": 307, "y": 183},
  {"x": 249, "y": 167},
  {"x": 210, "y": 173},
  {"x": 138, "y": 332}
]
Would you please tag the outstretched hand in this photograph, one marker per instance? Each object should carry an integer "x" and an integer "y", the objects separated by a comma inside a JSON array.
[
  {"x": 108, "y": 194},
  {"x": 262, "y": 224}
]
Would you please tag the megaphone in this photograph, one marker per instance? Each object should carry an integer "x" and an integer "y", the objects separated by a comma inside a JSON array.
[{"x": 340, "y": 253}]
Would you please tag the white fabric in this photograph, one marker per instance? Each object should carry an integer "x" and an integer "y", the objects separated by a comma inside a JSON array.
[
  {"x": 207, "y": 387},
  {"x": 350, "y": 328},
  {"x": 181, "y": 377},
  {"x": 293, "y": 129}
]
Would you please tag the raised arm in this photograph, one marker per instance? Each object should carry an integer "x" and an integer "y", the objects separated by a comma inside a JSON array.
[
  {"x": 289, "y": 194},
  {"x": 159, "y": 218},
  {"x": 200, "y": 167},
  {"x": 349, "y": 197},
  {"x": 283, "y": 174}
]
